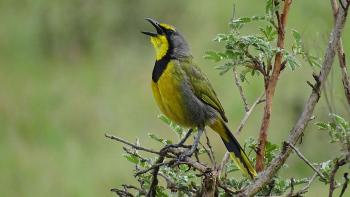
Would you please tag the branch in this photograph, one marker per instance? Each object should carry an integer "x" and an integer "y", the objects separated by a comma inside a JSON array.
[
  {"x": 306, "y": 187},
  {"x": 270, "y": 86},
  {"x": 345, "y": 185},
  {"x": 130, "y": 144},
  {"x": 302, "y": 157},
  {"x": 240, "y": 89},
  {"x": 266, "y": 176},
  {"x": 332, "y": 185},
  {"x": 341, "y": 56},
  {"x": 248, "y": 113}
]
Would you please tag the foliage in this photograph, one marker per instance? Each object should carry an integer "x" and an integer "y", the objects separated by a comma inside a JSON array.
[
  {"x": 255, "y": 52},
  {"x": 339, "y": 132}
]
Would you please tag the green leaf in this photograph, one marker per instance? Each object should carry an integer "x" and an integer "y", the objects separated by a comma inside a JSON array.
[
  {"x": 161, "y": 140},
  {"x": 322, "y": 125},
  {"x": 211, "y": 55},
  {"x": 269, "y": 33},
  {"x": 221, "y": 37},
  {"x": 165, "y": 119},
  {"x": 297, "y": 47},
  {"x": 132, "y": 158},
  {"x": 341, "y": 121}
]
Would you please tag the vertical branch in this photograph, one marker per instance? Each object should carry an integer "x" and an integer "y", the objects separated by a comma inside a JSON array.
[
  {"x": 341, "y": 57},
  {"x": 270, "y": 86}
]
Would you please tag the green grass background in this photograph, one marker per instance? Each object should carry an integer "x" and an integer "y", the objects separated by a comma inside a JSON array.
[{"x": 71, "y": 70}]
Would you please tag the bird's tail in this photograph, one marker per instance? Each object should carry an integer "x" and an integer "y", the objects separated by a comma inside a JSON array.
[{"x": 237, "y": 154}]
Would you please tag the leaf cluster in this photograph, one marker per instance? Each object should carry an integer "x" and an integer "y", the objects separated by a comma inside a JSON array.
[{"x": 254, "y": 53}]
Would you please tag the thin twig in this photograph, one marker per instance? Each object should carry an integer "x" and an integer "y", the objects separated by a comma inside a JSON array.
[
  {"x": 211, "y": 152},
  {"x": 248, "y": 113},
  {"x": 306, "y": 187},
  {"x": 240, "y": 89},
  {"x": 157, "y": 165},
  {"x": 226, "y": 188},
  {"x": 302, "y": 157},
  {"x": 292, "y": 182},
  {"x": 223, "y": 163},
  {"x": 345, "y": 185},
  {"x": 341, "y": 56},
  {"x": 130, "y": 144},
  {"x": 332, "y": 184}
]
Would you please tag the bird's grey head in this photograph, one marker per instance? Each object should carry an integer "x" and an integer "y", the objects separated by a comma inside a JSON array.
[{"x": 167, "y": 41}]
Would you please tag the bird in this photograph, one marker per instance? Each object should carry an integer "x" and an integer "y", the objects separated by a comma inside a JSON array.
[{"x": 184, "y": 94}]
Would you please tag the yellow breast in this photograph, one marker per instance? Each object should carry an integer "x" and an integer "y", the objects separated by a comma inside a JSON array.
[{"x": 168, "y": 95}]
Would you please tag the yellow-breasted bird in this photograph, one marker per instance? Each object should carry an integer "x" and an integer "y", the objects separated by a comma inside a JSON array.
[{"x": 184, "y": 93}]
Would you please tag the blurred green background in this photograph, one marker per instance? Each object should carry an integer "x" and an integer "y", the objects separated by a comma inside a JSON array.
[{"x": 71, "y": 70}]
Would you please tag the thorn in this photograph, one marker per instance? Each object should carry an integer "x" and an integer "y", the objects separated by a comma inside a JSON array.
[
  {"x": 311, "y": 85},
  {"x": 342, "y": 5}
]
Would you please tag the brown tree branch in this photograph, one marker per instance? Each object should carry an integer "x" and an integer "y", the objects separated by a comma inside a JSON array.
[
  {"x": 341, "y": 57},
  {"x": 270, "y": 86},
  {"x": 332, "y": 185},
  {"x": 266, "y": 176}
]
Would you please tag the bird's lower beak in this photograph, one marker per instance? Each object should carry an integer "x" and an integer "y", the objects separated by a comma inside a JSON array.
[{"x": 155, "y": 25}]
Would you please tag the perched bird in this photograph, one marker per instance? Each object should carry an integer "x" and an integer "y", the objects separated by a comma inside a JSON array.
[{"x": 184, "y": 93}]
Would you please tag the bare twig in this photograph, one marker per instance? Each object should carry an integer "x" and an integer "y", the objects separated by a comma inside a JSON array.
[
  {"x": 345, "y": 185},
  {"x": 292, "y": 182},
  {"x": 226, "y": 188},
  {"x": 211, "y": 152},
  {"x": 240, "y": 89},
  {"x": 332, "y": 185},
  {"x": 130, "y": 144},
  {"x": 157, "y": 165},
  {"x": 306, "y": 187},
  {"x": 270, "y": 86},
  {"x": 248, "y": 113},
  {"x": 341, "y": 55},
  {"x": 266, "y": 176},
  {"x": 224, "y": 161},
  {"x": 123, "y": 193},
  {"x": 302, "y": 157}
]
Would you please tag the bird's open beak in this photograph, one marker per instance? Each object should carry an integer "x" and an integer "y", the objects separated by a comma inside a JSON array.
[{"x": 155, "y": 25}]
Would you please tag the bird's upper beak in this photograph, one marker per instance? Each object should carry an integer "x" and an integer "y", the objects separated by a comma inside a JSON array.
[{"x": 155, "y": 25}]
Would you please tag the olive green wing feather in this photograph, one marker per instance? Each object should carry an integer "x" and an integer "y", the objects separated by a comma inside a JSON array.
[{"x": 202, "y": 87}]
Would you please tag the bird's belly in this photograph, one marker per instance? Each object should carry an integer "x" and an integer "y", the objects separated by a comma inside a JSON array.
[{"x": 172, "y": 101}]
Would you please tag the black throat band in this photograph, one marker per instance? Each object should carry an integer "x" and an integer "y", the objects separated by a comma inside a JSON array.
[{"x": 159, "y": 67}]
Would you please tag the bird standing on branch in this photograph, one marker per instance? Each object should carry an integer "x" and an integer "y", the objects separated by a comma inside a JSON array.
[{"x": 185, "y": 95}]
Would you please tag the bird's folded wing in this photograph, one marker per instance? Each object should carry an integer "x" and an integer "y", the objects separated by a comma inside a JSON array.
[{"x": 202, "y": 88}]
